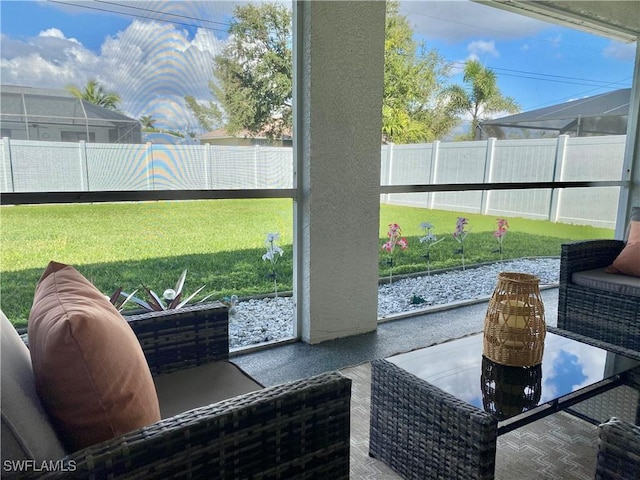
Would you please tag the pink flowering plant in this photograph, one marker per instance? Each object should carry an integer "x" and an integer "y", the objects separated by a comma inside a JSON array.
[
  {"x": 394, "y": 234},
  {"x": 500, "y": 233},
  {"x": 460, "y": 234},
  {"x": 428, "y": 239}
]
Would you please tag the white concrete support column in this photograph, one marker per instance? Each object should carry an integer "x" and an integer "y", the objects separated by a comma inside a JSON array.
[{"x": 338, "y": 75}]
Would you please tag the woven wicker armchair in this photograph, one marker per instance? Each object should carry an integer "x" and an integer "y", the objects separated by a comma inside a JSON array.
[
  {"x": 596, "y": 313},
  {"x": 298, "y": 430},
  {"x": 618, "y": 451}
]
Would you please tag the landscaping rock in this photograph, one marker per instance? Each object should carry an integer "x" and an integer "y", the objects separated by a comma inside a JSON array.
[{"x": 270, "y": 319}]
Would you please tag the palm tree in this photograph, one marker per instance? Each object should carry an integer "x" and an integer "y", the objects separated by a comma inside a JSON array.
[
  {"x": 481, "y": 97},
  {"x": 95, "y": 93},
  {"x": 147, "y": 121}
]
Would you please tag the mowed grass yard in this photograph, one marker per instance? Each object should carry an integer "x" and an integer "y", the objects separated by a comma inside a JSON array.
[{"x": 221, "y": 243}]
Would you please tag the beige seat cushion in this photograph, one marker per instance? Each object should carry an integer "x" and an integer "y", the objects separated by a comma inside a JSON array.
[
  {"x": 89, "y": 368},
  {"x": 609, "y": 282},
  {"x": 26, "y": 430},
  {"x": 199, "y": 386}
]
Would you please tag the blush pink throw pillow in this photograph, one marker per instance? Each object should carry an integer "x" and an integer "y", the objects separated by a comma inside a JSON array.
[
  {"x": 628, "y": 261},
  {"x": 89, "y": 368}
]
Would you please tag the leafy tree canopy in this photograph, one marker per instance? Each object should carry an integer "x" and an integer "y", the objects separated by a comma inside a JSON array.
[
  {"x": 253, "y": 87},
  {"x": 95, "y": 93},
  {"x": 147, "y": 121},
  {"x": 480, "y": 97},
  {"x": 415, "y": 107},
  {"x": 254, "y": 74}
]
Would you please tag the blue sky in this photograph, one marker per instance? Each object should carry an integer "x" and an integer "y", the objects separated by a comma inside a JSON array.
[
  {"x": 537, "y": 63},
  {"x": 153, "y": 53}
]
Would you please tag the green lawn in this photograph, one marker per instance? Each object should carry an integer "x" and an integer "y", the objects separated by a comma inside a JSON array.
[{"x": 221, "y": 243}]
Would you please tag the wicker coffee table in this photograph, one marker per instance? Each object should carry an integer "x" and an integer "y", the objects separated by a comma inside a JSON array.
[{"x": 436, "y": 412}]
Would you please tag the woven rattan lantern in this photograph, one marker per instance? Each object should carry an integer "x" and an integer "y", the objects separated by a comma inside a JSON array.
[
  {"x": 508, "y": 391},
  {"x": 514, "y": 327}
]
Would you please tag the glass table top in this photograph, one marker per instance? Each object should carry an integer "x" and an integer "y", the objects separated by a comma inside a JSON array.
[{"x": 459, "y": 368}]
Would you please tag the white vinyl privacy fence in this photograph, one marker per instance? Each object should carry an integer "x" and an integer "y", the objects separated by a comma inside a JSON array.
[
  {"x": 497, "y": 161},
  {"x": 33, "y": 166}
]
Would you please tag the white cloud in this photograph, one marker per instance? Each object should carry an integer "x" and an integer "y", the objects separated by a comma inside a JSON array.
[
  {"x": 48, "y": 60},
  {"x": 454, "y": 21},
  {"x": 40, "y": 72},
  {"x": 621, "y": 51},
  {"x": 476, "y": 50},
  {"x": 151, "y": 65},
  {"x": 158, "y": 65},
  {"x": 479, "y": 47},
  {"x": 56, "y": 33},
  {"x": 555, "y": 41}
]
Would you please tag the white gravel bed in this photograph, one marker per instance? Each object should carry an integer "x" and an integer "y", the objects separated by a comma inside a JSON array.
[
  {"x": 258, "y": 321},
  {"x": 458, "y": 285},
  {"x": 269, "y": 319}
]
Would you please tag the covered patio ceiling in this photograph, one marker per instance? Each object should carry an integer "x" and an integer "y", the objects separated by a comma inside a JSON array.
[{"x": 616, "y": 19}]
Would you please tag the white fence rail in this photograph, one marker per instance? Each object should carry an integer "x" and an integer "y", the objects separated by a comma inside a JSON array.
[
  {"x": 33, "y": 166},
  {"x": 493, "y": 161}
]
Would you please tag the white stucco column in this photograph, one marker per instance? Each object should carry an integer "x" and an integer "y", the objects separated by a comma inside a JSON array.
[{"x": 338, "y": 85}]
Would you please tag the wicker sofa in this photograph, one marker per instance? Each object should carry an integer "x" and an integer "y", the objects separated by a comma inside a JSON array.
[
  {"x": 596, "y": 304},
  {"x": 296, "y": 430}
]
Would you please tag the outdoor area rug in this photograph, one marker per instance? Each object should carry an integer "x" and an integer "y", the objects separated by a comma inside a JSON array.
[{"x": 559, "y": 446}]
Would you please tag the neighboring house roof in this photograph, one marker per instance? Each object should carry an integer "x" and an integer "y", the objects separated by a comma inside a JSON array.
[
  {"x": 221, "y": 133},
  {"x": 40, "y": 104},
  {"x": 166, "y": 138},
  {"x": 604, "y": 114}
]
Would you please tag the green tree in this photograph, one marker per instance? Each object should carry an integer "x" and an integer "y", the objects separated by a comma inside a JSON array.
[
  {"x": 481, "y": 97},
  {"x": 95, "y": 93},
  {"x": 147, "y": 122},
  {"x": 415, "y": 106},
  {"x": 254, "y": 74},
  {"x": 253, "y": 87}
]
